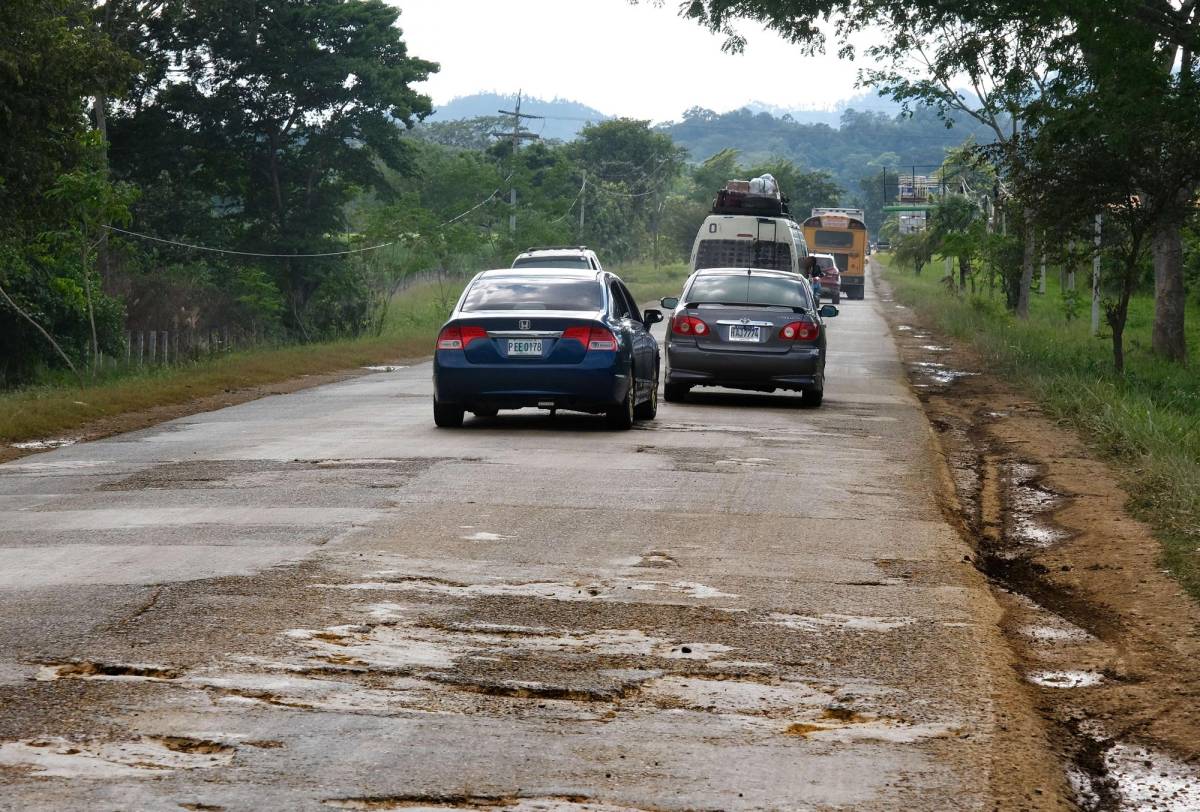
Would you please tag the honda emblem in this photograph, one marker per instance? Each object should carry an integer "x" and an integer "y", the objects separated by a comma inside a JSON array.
[{"x": 523, "y": 324}]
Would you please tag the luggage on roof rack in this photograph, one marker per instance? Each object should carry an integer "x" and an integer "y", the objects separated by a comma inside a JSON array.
[{"x": 760, "y": 196}]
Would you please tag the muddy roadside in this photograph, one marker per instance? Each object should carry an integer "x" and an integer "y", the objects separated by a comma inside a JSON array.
[
  {"x": 145, "y": 418},
  {"x": 1106, "y": 640}
]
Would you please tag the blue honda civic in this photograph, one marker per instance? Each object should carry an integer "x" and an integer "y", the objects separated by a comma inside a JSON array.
[{"x": 550, "y": 338}]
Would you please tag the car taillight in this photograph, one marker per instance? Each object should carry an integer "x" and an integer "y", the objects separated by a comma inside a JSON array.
[
  {"x": 459, "y": 338},
  {"x": 593, "y": 338},
  {"x": 800, "y": 331},
  {"x": 688, "y": 326}
]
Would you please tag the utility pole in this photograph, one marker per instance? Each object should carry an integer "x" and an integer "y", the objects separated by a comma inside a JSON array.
[
  {"x": 517, "y": 135},
  {"x": 582, "y": 204},
  {"x": 1096, "y": 278}
]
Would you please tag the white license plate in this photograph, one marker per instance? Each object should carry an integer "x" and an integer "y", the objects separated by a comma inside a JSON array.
[
  {"x": 525, "y": 346},
  {"x": 740, "y": 332}
]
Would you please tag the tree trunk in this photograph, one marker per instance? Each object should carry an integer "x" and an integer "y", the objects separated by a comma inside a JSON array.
[
  {"x": 1117, "y": 314},
  {"x": 87, "y": 288},
  {"x": 1027, "y": 263},
  {"x": 1170, "y": 296},
  {"x": 964, "y": 272}
]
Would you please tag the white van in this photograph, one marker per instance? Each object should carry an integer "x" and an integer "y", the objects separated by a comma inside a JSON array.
[{"x": 747, "y": 241}]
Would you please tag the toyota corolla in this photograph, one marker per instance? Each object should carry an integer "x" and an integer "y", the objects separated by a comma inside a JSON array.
[
  {"x": 546, "y": 338},
  {"x": 746, "y": 329}
]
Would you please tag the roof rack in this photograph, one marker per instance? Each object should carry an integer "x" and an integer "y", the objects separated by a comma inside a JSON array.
[
  {"x": 760, "y": 196},
  {"x": 557, "y": 248}
]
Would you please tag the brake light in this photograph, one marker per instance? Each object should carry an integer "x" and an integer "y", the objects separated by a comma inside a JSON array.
[
  {"x": 593, "y": 338},
  {"x": 688, "y": 326},
  {"x": 800, "y": 331},
  {"x": 459, "y": 338}
]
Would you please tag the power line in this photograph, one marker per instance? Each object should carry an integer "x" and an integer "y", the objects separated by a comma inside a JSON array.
[{"x": 212, "y": 249}]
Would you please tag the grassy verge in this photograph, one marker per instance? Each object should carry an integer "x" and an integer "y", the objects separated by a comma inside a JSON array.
[
  {"x": 1146, "y": 422},
  {"x": 57, "y": 409},
  {"x": 648, "y": 283}
]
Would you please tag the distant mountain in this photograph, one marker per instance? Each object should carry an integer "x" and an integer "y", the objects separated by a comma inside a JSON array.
[
  {"x": 831, "y": 116},
  {"x": 563, "y": 118}
]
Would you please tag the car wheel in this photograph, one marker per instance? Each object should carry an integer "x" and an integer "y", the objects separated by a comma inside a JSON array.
[
  {"x": 811, "y": 398},
  {"x": 621, "y": 417},
  {"x": 485, "y": 412},
  {"x": 649, "y": 409},
  {"x": 447, "y": 416},
  {"x": 675, "y": 392}
]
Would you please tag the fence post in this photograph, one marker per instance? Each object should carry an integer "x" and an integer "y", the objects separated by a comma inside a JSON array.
[
  {"x": 153, "y": 347},
  {"x": 141, "y": 347}
]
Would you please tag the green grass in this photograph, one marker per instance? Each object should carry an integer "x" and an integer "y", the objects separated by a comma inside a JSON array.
[
  {"x": 60, "y": 407},
  {"x": 648, "y": 283},
  {"x": 1145, "y": 422}
]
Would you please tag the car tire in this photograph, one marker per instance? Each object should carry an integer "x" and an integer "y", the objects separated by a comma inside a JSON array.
[
  {"x": 675, "y": 392},
  {"x": 648, "y": 409},
  {"x": 811, "y": 398},
  {"x": 485, "y": 412},
  {"x": 447, "y": 416},
  {"x": 621, "y": 417}
]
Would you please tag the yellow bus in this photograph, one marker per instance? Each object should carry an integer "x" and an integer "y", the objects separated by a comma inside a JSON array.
[{"x": 842, "y": 233}]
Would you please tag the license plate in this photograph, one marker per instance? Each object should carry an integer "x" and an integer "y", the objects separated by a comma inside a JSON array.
[
  {"x": 525, "y": 346},
  {"x": 740, "y": 332}
]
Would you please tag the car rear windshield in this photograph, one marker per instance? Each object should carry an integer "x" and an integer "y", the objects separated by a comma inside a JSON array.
[
  {"x": 534, "y": 293},
  {"x": 552, "y": 262},
  {"x": 747, "y": 289},
  {"x": 835, "y": 239},
  {"x": 826, "y": 263},
  {"x": 764, "y": 254}
]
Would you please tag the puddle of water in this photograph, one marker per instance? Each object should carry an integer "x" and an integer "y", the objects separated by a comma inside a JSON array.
[
  {"x": 934, "y": 348},
  {"x": 548, "y": 590},
  {"x": 384, "y": 368},
  {"x": 748, "y": 462},
  {"x": 44, "y": 445},
  {"x": 1065, "y": 679},
  {"x": 884, "y": 730},
  {"x": 849, "y": 622},
  {"x": 736, "y": 696},
  {"x": 485, "y": 536},
  {"x": 1146, "y": 780},
  {"x": 904, "y": 328},
  {"x": 1057, "y": 634},
  {"x": 139, "y": 758},
  {"x": 1029, "y": 502}
]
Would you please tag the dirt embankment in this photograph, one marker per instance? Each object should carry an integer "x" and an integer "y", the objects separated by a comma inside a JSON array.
[{"x": 1107, "y": 642}]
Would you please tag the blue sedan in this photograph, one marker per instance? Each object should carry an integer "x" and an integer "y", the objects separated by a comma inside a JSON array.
[{"x": 551, "y": 338}]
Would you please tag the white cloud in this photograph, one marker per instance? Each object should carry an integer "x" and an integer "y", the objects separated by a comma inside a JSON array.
[{"x": 641, "y": 61}]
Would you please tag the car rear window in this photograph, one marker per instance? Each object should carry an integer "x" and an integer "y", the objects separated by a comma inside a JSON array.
[
  {"x": 826, "y": 263},
  {"x": 534, "y": 293},
  {"x": 765, "y": 254},
  {"x": 552, "y": 262},
  {"x": 747, "y": 289}
]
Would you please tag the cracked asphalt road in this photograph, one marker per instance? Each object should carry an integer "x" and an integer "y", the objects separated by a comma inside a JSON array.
[{"x": 320, "y": 601}]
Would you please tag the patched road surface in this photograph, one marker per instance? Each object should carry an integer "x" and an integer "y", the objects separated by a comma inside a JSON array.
[{"x": 320, "y": 601}]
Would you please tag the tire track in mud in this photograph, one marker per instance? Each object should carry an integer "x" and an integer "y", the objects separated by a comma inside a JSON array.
[{"x": 1075, "y": 647}]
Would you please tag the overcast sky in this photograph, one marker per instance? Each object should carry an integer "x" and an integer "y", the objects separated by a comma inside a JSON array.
[{"x": 638, "y": 61}]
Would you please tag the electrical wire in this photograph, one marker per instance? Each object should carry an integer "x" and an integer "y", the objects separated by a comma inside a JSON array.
[{"x": 260, "y": 255}]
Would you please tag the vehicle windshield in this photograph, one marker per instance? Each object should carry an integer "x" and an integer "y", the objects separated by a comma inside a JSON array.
[
  {"x": 552, "y": 262},
  {"x": 826, "y": 263},
  {"x": 534, "y": 293},
  {"x": 748, "y": 290}
]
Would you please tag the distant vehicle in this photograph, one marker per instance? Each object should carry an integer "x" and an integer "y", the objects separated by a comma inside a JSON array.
[
  {"x": 883, "y": 245},
  {"x": 572, "y": 256},
  {"x": 551, "y": 338},
  {"x": 842, "y": 233},
  {"x": 746, "y": 329},
  {"x": 829, "y": 277},
  {"x": 750, "y": 227}
]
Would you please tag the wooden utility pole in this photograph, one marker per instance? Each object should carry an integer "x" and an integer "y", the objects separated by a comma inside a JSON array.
[
  {"x": 582, "y": 204},
  {"x": 518, "y": 135}
]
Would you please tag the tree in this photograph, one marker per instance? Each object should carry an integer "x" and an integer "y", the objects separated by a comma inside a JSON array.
[
  {"x": 957, "y": 228},
  {"x": 287, "y": 110}
]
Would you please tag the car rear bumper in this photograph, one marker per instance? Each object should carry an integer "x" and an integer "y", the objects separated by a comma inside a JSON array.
[
  {"x": 797, "y": 369},
  {"x": 581, "y": 387}
]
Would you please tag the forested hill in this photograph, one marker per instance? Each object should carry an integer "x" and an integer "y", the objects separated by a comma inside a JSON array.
[{"x": 865, "y": 142}]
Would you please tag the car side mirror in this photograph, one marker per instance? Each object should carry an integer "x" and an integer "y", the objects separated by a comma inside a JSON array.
[
  {"x": 828, "y": 311},
  {"x": 651, "y": 317},
  {"x": 669, "y": 302}
]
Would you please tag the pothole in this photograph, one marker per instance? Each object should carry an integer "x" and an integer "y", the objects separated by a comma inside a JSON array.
[
  {"x": 138, "y": 758},
  {"x": 547, "y": 590},
  {"x": 857, "y": 623},
  {"x": 1065, "y": 679},
  {"x": 467, "y": 803},
  {"x": 82, "y": 669}
]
